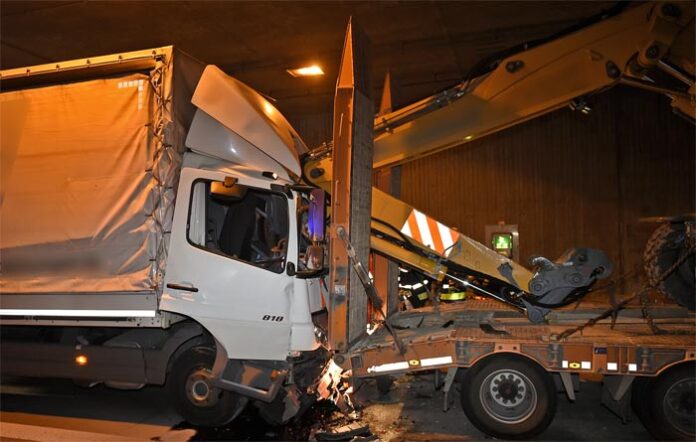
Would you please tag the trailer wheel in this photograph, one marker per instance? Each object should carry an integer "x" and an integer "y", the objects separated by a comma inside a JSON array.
[
  {"x": 194, "y": 396},
  {"x": 666, "y": 405},
  {"x": 508, "y": 397}
]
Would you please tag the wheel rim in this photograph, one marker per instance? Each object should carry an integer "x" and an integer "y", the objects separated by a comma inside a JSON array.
[
  {"x": 508, "y": 396},
  {"x": 199, "y": 389},
  {"x": 678, "y": 405}
]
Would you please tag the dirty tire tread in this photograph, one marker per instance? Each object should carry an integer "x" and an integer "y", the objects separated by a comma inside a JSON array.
[
  {"x": 647, "y": 396},
  {"x": 229, "y": 405},
  {"x": 536, "y": 423}
]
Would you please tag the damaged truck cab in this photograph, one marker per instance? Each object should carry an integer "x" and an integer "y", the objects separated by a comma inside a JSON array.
[{"x": 179, "y": 237}]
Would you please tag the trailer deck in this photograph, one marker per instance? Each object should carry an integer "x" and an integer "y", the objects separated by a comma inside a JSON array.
[{"x": 459, "y": 335}]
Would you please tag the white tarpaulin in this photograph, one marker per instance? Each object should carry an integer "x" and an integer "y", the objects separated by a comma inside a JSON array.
[{"x": 89, "y": 171}]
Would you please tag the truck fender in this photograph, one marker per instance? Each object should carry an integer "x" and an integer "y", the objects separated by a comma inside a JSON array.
[{"x": 187, "y": 335}]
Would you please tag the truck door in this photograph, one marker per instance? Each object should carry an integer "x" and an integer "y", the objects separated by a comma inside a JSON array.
[{"x": 226, "y": 266}]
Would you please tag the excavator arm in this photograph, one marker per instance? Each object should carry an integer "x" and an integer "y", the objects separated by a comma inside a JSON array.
[
  {"x": 648, "y": 46},
  {"x": 636, "y": 47}
]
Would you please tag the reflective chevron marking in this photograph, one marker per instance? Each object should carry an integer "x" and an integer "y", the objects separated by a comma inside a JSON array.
[{"x": 429, "y": 232}]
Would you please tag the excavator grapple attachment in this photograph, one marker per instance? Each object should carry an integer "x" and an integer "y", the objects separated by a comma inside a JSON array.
[{"x": 555, "y": 284}]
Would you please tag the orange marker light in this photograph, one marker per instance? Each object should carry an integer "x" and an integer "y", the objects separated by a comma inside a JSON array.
[{"x": 81, "y": 360}]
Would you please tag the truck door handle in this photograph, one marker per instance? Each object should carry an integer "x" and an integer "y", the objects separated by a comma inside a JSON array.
[{"x": 187, "y": 288}]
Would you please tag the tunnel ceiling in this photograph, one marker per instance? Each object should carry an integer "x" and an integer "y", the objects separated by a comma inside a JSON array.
[{"x": 427, "y": 45}]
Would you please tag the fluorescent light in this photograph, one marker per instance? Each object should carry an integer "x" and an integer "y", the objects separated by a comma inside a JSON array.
[
  {"x": 80, "y": 313},
  {"x": 306, "y": 71}
]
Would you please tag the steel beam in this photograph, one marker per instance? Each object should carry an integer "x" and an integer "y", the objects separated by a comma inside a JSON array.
[{"x": 351, "y": 195}]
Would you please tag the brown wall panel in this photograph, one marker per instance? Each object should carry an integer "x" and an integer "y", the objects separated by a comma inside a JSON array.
[
  {"x": 313, "y": 128},
  {"x": 656, "y": 169},
  {"x": 565, "y": 179}
]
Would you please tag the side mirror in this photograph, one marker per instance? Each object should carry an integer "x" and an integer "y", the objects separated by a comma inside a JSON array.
[
  {"x": 315, "y": 264},
  {"x": 315, "y": 257},
  {"x": 317, "y": 215}
]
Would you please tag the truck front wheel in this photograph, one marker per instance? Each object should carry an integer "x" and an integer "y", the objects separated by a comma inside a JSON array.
[
  {"x": 193, "y": 394},
  {"x": 508, "y": 397}
]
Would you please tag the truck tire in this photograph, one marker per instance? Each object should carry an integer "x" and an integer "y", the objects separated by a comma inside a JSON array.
[
  {"x": 666, "y": 405},
  {"x": 193, "y": 395},
  {"x": 508, "y": 397},
  {"x": 663, "y": 249}
]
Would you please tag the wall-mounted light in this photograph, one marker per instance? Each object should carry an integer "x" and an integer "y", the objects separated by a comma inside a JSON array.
[{"x": 306, "y": 71}]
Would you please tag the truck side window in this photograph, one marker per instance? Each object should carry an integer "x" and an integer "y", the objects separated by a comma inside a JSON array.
[{"x": 249, "y": 225}]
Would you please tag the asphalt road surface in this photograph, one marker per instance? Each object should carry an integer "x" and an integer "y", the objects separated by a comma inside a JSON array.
[{"x": 58, "y": 410}]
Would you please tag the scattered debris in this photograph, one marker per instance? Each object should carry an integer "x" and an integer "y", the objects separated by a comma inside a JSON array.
[
  {"x": 346, "y": 432},
  {"x": 334, "y": 385}
]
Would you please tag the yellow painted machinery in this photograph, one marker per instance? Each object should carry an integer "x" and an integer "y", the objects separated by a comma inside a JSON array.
[{"x": 648, "y": 46}]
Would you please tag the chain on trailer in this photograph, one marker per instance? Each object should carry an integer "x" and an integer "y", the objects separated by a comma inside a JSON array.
[{"x": 642, "y": 295}]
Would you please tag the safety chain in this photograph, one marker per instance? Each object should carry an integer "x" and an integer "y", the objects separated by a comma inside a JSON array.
[{"x": 688, "y": 250}]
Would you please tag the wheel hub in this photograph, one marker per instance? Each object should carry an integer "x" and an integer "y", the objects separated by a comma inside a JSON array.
[
  {"x": 508, "y": 389},
  {"x": 508, "y": 396},
  {"x": 199, "y": 389}
]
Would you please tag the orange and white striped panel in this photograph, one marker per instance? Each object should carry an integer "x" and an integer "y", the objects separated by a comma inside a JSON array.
[{"x": 429, "y": 232}]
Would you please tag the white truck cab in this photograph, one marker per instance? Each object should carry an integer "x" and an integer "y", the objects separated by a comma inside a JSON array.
[{"x": 235, "y": 226}]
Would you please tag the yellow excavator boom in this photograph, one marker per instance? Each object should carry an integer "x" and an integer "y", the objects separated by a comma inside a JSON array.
[{"x": 626, "y": 48}]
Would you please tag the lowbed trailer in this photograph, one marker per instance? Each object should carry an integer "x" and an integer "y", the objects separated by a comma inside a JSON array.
[
  {"x": 507, "y": 360},
  {"x": 462, "y": 334}
]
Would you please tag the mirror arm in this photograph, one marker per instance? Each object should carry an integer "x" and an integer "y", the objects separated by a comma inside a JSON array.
[
  {"x": 307, "y": 274},
  {"x": 284, "y": 189},
  {"x": 302, "y": 188}
]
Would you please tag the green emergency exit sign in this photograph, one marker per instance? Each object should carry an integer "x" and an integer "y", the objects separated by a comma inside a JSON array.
[{"x": 502, "y": 242}]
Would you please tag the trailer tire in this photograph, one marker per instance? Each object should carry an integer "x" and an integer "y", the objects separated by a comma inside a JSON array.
[
  {"x": 666, "y": 405},
  {"x": 193, "y": 395},
  {"x": 662, "y": 250},
  {"x": 525, "y": 406}
]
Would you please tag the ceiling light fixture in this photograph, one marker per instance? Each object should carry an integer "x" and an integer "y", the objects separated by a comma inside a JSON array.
[{"x": 306, "y": 71}]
